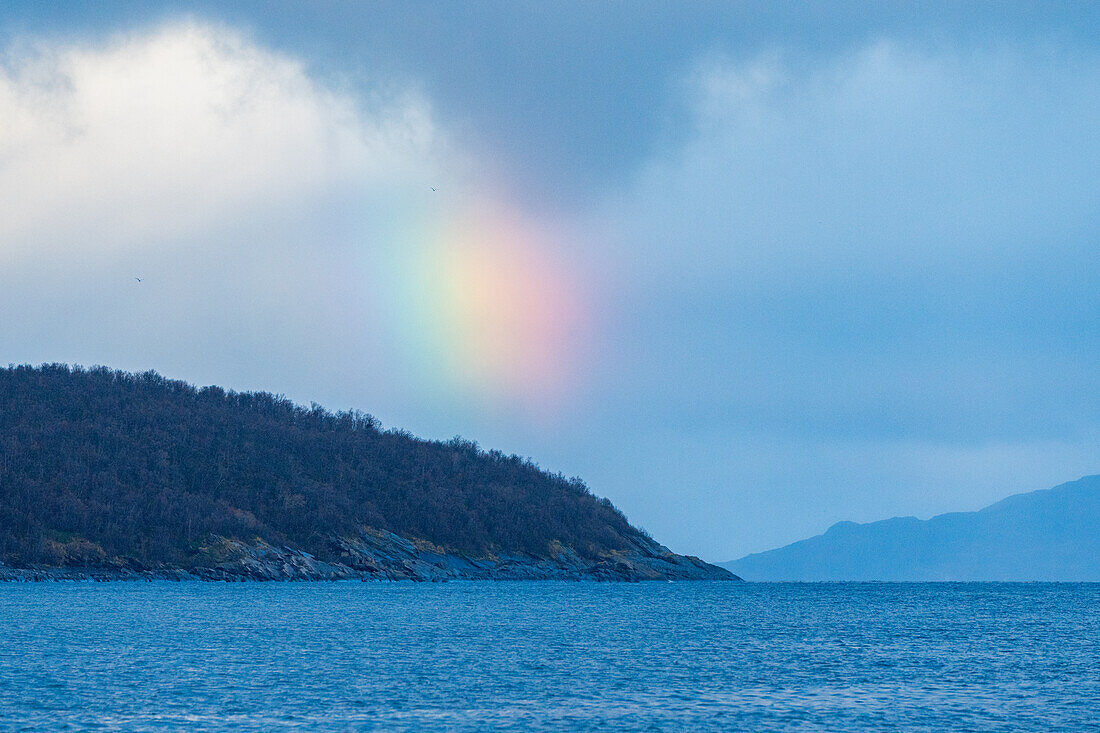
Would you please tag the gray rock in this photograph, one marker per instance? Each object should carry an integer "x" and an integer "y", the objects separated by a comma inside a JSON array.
[{"x": 380, "y": 555}]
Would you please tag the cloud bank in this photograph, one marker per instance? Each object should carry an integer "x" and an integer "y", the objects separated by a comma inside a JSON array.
[
  {"x": 897, "y": 242},
  {"x": 881, "y": 258}
]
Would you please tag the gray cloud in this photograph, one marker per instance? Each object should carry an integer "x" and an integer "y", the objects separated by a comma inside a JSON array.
[
  {"x": 892, "y": 243},
  {"x": 850, "y": 286},
  {"x": 861, "y": 285}
]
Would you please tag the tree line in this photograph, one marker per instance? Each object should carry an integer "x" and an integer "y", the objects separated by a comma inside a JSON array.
[{"x": 99, "y": 466}]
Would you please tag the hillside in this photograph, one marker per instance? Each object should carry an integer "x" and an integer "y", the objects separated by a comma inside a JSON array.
[
  {"x": 1052, "y": 534},
  {"x": 103, "y": 469}
]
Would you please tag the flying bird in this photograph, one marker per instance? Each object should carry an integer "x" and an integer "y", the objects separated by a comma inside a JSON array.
[
  {"x": 138, "y": 279},
  {"x": 432, "y": 187}
]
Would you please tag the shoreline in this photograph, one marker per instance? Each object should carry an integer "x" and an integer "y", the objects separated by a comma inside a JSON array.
[
  {"x": 384, "y": 556},
  {"x": 210, "y": 575}
]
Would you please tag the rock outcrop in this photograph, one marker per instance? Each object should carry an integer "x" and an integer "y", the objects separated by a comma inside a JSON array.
[{"x": 381, "y": 555}]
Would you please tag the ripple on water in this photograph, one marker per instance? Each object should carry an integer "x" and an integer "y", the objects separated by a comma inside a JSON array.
[{"x": 549, "y": 656}]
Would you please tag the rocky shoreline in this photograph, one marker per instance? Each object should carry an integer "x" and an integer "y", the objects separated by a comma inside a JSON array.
[{"x": 380, "y": 555}]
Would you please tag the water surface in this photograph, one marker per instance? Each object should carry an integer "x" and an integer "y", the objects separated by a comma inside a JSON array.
[{"x": 549, "y": 656}]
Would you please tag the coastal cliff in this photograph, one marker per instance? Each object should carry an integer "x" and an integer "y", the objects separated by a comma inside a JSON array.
[{"x": 109, "y": 475}]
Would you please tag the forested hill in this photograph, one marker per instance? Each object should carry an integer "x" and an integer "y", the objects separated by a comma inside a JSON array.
[{"x": 100, "y": 467}]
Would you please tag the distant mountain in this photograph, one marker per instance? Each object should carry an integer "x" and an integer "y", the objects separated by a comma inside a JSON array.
[
  {"x": 1052, "y": 534},
  {"x": 120, "y": 474}
]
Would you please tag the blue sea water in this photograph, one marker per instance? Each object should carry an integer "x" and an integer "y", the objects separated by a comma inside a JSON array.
[{"x": 549, "y": 656}]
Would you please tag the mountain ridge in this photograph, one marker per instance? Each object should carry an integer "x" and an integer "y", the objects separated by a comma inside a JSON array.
[{"x": 1048, "y": 534}]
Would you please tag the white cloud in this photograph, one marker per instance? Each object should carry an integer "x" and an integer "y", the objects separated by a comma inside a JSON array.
[
  {"x": 176, "y": 132},
  {"x": 282, "y": 228},
  {"x": 258, "y": 205}
]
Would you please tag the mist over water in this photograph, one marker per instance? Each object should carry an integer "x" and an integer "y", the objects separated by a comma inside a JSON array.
[{"x": 549, "y": 656}]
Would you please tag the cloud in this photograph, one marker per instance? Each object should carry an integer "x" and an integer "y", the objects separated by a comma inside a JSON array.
[
  {"x": 856, "y": 285},
  {"x": 173, "y": 133},
  {"x": 253, "y": 201},
  {"x": 892, "y": 241},
  {"x": 285, "y": 231},
  {"x": 853, "y": 282}
]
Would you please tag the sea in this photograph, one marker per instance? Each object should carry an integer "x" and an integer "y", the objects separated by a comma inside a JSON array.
[{"x": 546, "y": 656}]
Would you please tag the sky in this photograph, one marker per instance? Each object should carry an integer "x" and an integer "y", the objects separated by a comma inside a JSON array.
[{"x": 748, "y": 269}]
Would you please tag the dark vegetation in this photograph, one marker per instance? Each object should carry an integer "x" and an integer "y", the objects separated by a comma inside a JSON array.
[{"x": 100, "y": 467}]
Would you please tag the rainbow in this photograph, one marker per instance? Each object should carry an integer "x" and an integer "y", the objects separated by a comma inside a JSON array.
[{"x": 489, "y": 309}]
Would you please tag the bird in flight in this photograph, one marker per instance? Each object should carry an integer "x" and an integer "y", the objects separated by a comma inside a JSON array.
[
  {"x": 432, "y": 187},
  {"x": 138, "y": 279}
]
